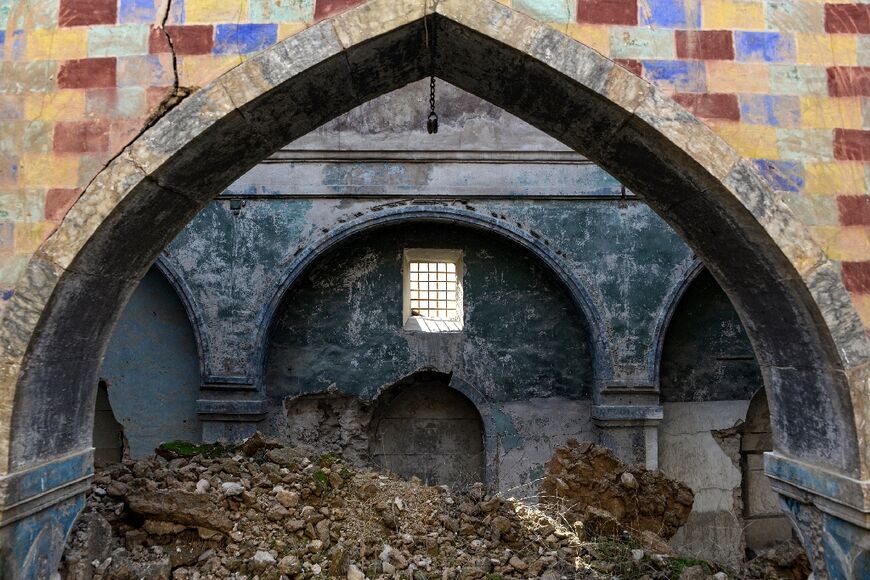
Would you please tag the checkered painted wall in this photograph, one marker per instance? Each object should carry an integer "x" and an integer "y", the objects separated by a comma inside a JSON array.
[{"x": 786, "y": 82}]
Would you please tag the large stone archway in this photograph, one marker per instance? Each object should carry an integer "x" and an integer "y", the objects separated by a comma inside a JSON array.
[{"x": 810, "y": 343}]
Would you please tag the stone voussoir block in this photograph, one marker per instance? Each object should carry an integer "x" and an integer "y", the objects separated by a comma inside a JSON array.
[
  {"x": 180, "y": 126},
  {"x": 825, "y": 284},
  {"x": 280, "y": 63},
  {"x": 375, "y": 18},
  {"x": 792, "y": 237},
  {"x": 572, "y": 58},
  {"x": 492, "y": 19},
  {"x": 686, "y": 131},
  {"x": 22, "y": 314},
  {"x": 99, "y": 200}
]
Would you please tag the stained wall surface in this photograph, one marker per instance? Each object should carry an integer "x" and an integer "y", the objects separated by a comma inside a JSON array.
[
  {"x": 151, "y": 369},
  {"x": 785, "y": 83}
]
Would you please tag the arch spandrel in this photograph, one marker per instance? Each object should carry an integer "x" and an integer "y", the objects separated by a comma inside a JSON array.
[{"x": 69, "y": 296}]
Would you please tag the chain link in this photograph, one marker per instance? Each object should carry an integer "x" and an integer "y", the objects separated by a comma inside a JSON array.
[{"x": 432, "y": 121}]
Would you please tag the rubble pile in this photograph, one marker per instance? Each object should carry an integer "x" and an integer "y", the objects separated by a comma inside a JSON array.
[
  {"x": 589, "y": 483},
  {"x": 267, "y": 511}
]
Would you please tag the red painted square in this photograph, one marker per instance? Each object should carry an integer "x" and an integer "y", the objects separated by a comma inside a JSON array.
[
  {"x": 81, "y": 136},
  {"x": 58, "y": 202},
  {"x": 856, "y": 276},
  {"x": 634, "y": 66},
  {"x": 193, "y": 39},
  {"x": 849, "y": 81},
  {"x": 87, "y": 12},
  {"x": 852, "y": 144},
  {"x": 607, "y": 11},
  {"x": 87, "y": 73},
  {"x": 711, "y": 105},
  {"x": 854, "y": 210},
  {"x": 705, "y": 44},
  {"x": 847, "y": 18},
  {"x": 326, "y": 8}
]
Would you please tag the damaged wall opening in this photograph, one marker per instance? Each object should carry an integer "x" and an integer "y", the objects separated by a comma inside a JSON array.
[{"x": 421, "y": 427}]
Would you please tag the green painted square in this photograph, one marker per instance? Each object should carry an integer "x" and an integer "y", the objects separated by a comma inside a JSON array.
[
  {"x": 24, "y": 206},
  {"x": 548, "y": 10},
  {"x": 38, "y": 137},
  {"x": 864, "y": 50},
  {"x": 642, "y": 43},
  {"x": 790, "y": 15},
  {"x": 805, "y": 144},
  {"x": 43, "y": 14},
  {"x": 792, "y": 79},
  {"x": 118, "y": 40},
  {"x": 281, "y": 10},
  {"x": 5, "y": 9},
  {"x": 11, "y": 268},
  {"x": 813, "y": 210}
]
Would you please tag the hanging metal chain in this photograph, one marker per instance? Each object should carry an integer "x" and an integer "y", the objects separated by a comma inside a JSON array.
[{"x": 432, "y": 121}]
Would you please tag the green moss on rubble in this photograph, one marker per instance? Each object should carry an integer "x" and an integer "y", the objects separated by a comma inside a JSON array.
[{"x": 175, "y": 449}]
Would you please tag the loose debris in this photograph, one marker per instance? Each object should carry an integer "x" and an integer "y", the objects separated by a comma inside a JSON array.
[{"x": 264, "y": 510}]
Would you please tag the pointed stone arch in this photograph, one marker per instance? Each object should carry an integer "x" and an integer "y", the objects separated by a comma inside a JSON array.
[{"x": 811, "y": 344}]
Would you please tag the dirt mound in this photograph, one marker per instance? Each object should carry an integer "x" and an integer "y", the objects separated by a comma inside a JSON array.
[{"x": 587, "y": 482}]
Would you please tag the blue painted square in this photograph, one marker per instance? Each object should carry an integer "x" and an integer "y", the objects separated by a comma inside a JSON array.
[
  {"x": 774, "y": 110},
  {"x": 782, "y": 175},
  {"x": 764, "y": 46},
  {"x": 177, "y": 14},
  {"x": 7, "y": 294},
  {"x": 679, "y": 75},
  {"x": 243, "y": 38},
  {"x": 138, "y": 11},
  {"x": 2, "y": 37},
  {"x": 19, "y": 42},
  {"x": 670, "y": 13}
]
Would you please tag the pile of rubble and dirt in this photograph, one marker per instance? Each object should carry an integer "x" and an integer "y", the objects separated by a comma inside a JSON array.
[{"x": 266, "y": 511}]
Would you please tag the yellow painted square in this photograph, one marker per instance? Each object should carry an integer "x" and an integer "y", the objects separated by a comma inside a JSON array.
[
  {"x": 59, "y": 105},
  {"x": 199, "y": 70},
  {"x": 215, "y": 11},
  {"x": 734, "y": 77},
  {"x": 755, "y": 141},
  {"x": 29, "y": 235},
  {"x": 825, "y": 112},
  {"x": 288, "y": 29},
  {"x": 835, "y": 178},
  {"x": 843, "y": 243},
  {"x": 827, "y": 49},
  {"x": 732, "y": 14},
  {"x": 862, "y": 305},
  {"x": 48, "y": 170},
  {"x": 592, "y": 35},
  {"x": 57, "y": 43}
]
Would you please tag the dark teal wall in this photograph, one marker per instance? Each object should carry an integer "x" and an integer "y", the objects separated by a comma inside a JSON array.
[
  {"x": 151, "y": 368},
  {"x": 707, "y": 355},
  {"x": 342, "y": 324}
]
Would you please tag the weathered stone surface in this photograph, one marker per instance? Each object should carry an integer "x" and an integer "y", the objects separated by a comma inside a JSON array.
[
  {"x": 577, "y": 61},
  {"x": 375, "y": 18},
  {"x": 492, "y": 19},
  {"x": 584, "y": 475},
  {"x": 179, "y": 507}
]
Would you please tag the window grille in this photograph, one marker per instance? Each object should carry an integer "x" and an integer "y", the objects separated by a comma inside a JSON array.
[{"x": 433, "y": 290}]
